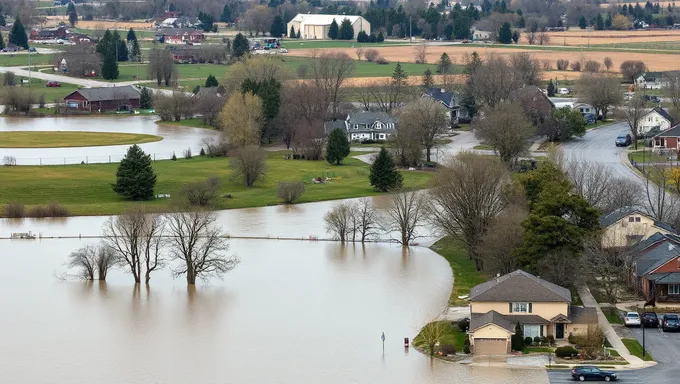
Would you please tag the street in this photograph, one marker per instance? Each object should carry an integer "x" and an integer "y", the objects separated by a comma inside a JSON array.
[{"x": 562, "y": 376}]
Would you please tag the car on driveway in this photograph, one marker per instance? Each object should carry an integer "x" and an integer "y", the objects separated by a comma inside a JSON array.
[
  {"x": 51, "y": 84},
  {"x": 650, "y": 319},
  {"x": 670, "y": 322},
  {"x": 623, "y": 140},
  {"x": 592, "y": 373},
  {"x": 631, "y": 319}
]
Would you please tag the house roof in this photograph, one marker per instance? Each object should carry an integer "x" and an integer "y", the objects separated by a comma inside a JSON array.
[
  {"x": 127, "y": 92},
  {"x": 529, "y": 93},
  {"x": 615, "y": 216},
  {"x": 656, "y": 257},
  {"x": 670, "y": 132},
  {"x": 369, "y": 117},
  {"x": 316, "y": 19},
  {"x": 526, "y": 319},
  {"x": 583, "y": 315},
  {"x": 478, "y": 320},
  {"x": 519, "y": 286},
  {"x": 178, "y": 31},
  {"x": 662, "y": 112},
  {"x": 652, "y": 76},
  {"x": 445, "y": 97},
  {"x": 330, "y": 126},
  {"x": 665, "y": 278}
]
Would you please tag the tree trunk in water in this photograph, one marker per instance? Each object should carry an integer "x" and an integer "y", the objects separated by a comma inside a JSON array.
[
  {"x": 191, "y": 278},
  {"x": 404, "y": 239}
]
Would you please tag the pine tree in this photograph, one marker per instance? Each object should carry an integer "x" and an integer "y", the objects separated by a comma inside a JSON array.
[
  {"x": 582, "y": 22},
  {"x": 608, "y": 21},
  {"x": 226, "y": 14},
  {"x": 398, "y": 76},
  {"x": 333, "y": 30},
  {"x": 135, "y": 178},
  {"x": 444, "y": 65},
  {"x": 346, "y": 30},
  {"x": 505, "y": 33},
  {"x": 3, "y": 22},
  {"x": 291, "y": 34},
  {"x": 337, "y": 147},
  {"x": 72, "y": 14},
  {"x": 381, "y": 37},
  {"x": 522, "y": 23},
  {"x": 240, "y": 46},
  {"x": 106, "y": 47},
  {"x": 131, "y": 36},
  {"x": 136, "y": 53},
  {"x": 17, "y": 35},
  {"x": 515, "y": 36},
  {"x": 551, "y": 89},
  {"x": 298, "y": 34},
  {"x": 211, "y": 81},
  {"x": 123, "y": 54},
  {"x": 146, "y": 98},
  {"x": 384, "y": 175},
  {"x": 2, "y": 42},
  {"x": 278, "y": 28},
  {"x": 599, "y": 23},
  {"x": 517, "y": 340},
  {"x": 428, "y": 80}
]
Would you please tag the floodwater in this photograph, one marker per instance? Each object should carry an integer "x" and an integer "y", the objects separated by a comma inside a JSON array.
[
  {"x": 175, "y": 139},
  {"x": 291, "y": 312}
]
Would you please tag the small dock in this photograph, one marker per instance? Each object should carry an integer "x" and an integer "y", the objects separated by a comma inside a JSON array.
[{"x": 22, "y": 235}]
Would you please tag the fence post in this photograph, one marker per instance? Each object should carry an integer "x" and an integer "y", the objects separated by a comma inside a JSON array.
[
  {"x": 109, "y": 159},
  {"x": 41, "y": 161},
  {"x": 87, "y": 161},
  {"x": 154, "y": 157}
]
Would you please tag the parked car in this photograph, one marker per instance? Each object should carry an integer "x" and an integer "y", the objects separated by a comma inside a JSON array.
[
  {"x": 670, "y": 322},
  {"x": 650, "y": 319},
  {"x": 623, "y": 140},
  {"x": 590, "y": 118},
  {"x": 51, "y": 84},
  {"x": 564, "y": 91},
  {"x": 653, "y": 99},
  {"x": 32, "y": 49},
  {"x": 592, "y": 373},
  {"x": 632, "y": 319}
]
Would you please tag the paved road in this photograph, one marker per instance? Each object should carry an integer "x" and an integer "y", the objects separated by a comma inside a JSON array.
[
  {"x": 563, "y": 376},
  {"x": 665, "y": 349}
]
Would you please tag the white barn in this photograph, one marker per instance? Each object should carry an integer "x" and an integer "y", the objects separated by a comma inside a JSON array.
[{"x": 316, "y": 26}]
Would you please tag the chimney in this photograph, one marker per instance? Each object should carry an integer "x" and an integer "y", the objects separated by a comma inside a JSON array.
[{"x": 443, "y": 90}]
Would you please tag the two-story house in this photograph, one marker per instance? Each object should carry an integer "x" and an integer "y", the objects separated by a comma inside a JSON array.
[
  {"x": 656, "y": 266},
  {"x": 455, "y": 112},
  {"x": 364, "y": 125},
  {"x": 540, "y": 307},
  {"x": 656, "y": 120},
  {"x": 628, "y": 226}
]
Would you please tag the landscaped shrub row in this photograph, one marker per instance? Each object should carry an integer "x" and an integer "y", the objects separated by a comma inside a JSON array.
[
  {"x": 17, "y": 211},
  {"x": 566, "y": 351}
]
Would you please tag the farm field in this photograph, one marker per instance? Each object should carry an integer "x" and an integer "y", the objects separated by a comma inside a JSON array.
[{"x": 582, "y": 37}]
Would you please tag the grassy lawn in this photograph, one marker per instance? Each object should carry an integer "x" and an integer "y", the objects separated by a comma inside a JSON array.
[
  {"x": 539, "y": 350},
  {"x": 32, "y": 139},
  {"x": 311, "y": 44},
  {"x": 453, "y": 336},
  {"x": 465, "y": 275},
  {"x": 195, "y": 122},
  {"x": 86, "y": 189},
  {"x": 635, "y": 349},
  {"x": 38, "y": 87},
  {"x": 21, "y": 59},
  {"x": 647, "y": 157},
  {"x": 613, "y": 315},
  {"x": 483, "y": 147}
]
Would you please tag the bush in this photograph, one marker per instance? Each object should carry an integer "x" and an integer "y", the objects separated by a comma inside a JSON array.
[
  {"x": 466, "y": 345},
  {"x": 381, "y": 60},
  {"x": 51, "y": 210},
  {"x": 575, "y": 66},
  {"x": 562, "y": 65},
  {"x": 592, "y": 66},
  {"x": 550, "y": 339},
  {"x": 464, "y": 324},
  {"x": 202, "y": 193},
  {"x": 447, "y": 349},
  {"x": 14, "y": 211},
  {"x": 9, "y": 161},
  {"x": 566, "y": 351},
  {"x": 528, "y": 340},
  {"x": 41, "y": 100},
  {"x": 517, "y": 340},
  {"x": 202, "y": 153},
  {"x": 187, "y": 154},
  {"x": 371, "y": 55},
  {"x": 547, "y": 65},
  {"x": 537, "y": 340},
  {"x": 216, "y": 147},
  {"x": 174, "y": 157},
  {"x": 571, "y": 338},
  {"x": 290, "y": 191}
]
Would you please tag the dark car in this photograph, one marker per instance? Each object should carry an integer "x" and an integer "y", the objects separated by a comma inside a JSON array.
[
  {"x": 653, "y": 99},
  {"x": 650, "y": 319},
  {"x": 590, "y": 118},
  {"x": 623, "y": 140},
  {"x": 670, "y": 323},
  {"x": 592, "y": 373}
]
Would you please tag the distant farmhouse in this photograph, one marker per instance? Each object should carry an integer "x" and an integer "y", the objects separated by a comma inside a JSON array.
[
  {"x": 365, "y": 125},
  {"x": 103, "y": 99},
  {"x": 316, "y": 26}
]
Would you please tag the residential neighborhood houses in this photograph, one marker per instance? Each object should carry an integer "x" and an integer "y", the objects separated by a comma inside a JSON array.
[
  {"x": 628, "y": 226},
  {"x": 364, "y": 125},
  {"x": 455, "y": 111},
  {"x": 657, "y": 119},
  {"x": 668, "y": 140}
]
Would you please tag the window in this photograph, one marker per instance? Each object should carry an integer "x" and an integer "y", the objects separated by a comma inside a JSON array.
[
  {"x": 674, "y": 289},
  {"x": 631, "y": 219},
  {"x": 520, "y": 307},
  {"x": 356, "y": 126},
  {"x": 532, "y": 330},
  {"x": 637, "y": 219}
]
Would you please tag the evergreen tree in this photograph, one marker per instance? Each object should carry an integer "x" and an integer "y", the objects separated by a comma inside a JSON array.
[
  {"x": 599, "y": 23},
  {"x": 226, "y": 14},
  {"x": 522, "y": 23},
  {"x": 333, "y": 30},
  {"x": 582, "y": 22},
  {"x": 298, "y": 34},
  {"x": 72, "y": 14},
  {"x": 131, "y": 35},
  {"x": 206, "y": 21},
  {"x": 3, "y": 22},
  {"x": 337, "y": 147},
  {"x": 398, "y": 76},
  {"x": 362, "y": 37},
  {"x": 106, "y": 47},
  {"x": 240, "y": 46},
  {"x": 211, "y": 81},
  {"x": 2, "y": 42},
  {"x": 346, "y": 31},
  {"x": 608, "y": 21},
  {"x": 291, "y": 34},
  {"x": 381, "y": 37},
  {"x": 278, "y": 28},
  {"x": 515, "y": 36},
  {"x": 551, "y": 89},
  {"x": 505, "y": 33},
  {"x": 146, "y": 98},
  {"x": 384, "y": 175},
  {"x": 135, "y": 178},
  {"x": 517, "y": 340},
  {"x": 428, "y": 80},
  {"x": 444, "y": 65},
  {"x": 123, "y": 54},
  {"x": 18, "y": 35},
  {"x": 269, "y": 91},
  {"x": 136, "y": 53}
]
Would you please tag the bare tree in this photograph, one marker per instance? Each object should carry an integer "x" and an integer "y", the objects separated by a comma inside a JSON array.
[
  {"x": 79, "y": 59},
  {"x": 200, "y": 193},
  {"x": 406, "y": 145},
  {"x": 632, "y": 68},
  {"x": 503, "y": 236},
  {"x": 671, "y": 91},
  {"x": 386, "y": 94},
  {"x": 404, "y": 214},
  {"x": 662, "y": 205},
  {"x": 506, "y": 128},
  {"x": 623, "y": 192},
  {"x": 420, "y": 52},
  {"x": 466, "y": 196},
  {"x": 599, "y": 90},
  {"x": 365, "y": 218},
  {"x": 527, "y": 69},
  {"x": 330, "y": 70},
  {"x": 257, "y": 19},
  {"x": 543, "y": 38},
  {"x": 248, "y": 164},
  {"x": 135, "y": 239},
  {"x": 161, "y": 66},
  {"x": 301, "y": 104},
  {"x": 174, "y": 106},
  {"x": 84, "y": 259},
  {"x": 200, "y": 245},
  {"x": 605, "y": 265},
  {"x": 592, "y": 66},
  {"x": 426, "y": 117},
  {"x": 561, "y": 267},
  {"x": 632, "y": 112},
  {"x": 208, "y": 103},
  {"x": 360, "y": 53},
  {"x": 290, "y": 191},
  {"x": 608, "y": 63},
  {"x": 592, "y": 180},
  {"x": 309, "y": 140},
  {"x": 338, "y": 221},
  {"x": 493, "y": 81},
  {"x": 106, "y": 259}
]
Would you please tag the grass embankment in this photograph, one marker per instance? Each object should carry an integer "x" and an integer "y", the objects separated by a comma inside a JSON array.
[
  {"x": 649, "y": 157},
  {"x": 635, "y": 348},
  {"x": 613, "y": 315},
  {"x": 86, "y": 189},
  {"x": 453, "y": 336},
  {"x": 311, "y": 44},
  {"x": 37, "y": 139},
  {"x": 21, "y": 59},
  {"x": 195, "y": 122},
  {"x": 465, "y": 274}
]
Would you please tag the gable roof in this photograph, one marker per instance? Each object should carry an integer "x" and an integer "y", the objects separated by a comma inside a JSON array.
[
  {"x": 126, "y": 92},
  {"x": 369, "y": 117},
  {"x": 316, "y": 19},
  {"x": 656, "y": 257},
  {"x": 529, "y": 93},
  {"x": 332, "y": 125},
  {"x": 654, "y": 239},
  {"x": 665, "y": 278},
  {"x": 615, "y": 216},
  {"x": 662, "y": 112},
  {"x": 519, "y": 286},
  {"x": 582, "y": 315},
  {"x": 670, "y": 132},
  {"x": 478, "y": 320},
  {"x": 445, "y": 97}
]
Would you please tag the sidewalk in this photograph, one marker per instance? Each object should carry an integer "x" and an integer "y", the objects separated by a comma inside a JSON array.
[{"x": 614, "y": 339}]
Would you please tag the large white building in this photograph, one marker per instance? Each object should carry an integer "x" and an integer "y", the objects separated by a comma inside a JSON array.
[{"x": 316, "y": 26}]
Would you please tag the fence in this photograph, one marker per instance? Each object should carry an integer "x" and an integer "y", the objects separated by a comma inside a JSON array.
[{"x": 103, "y": 159}]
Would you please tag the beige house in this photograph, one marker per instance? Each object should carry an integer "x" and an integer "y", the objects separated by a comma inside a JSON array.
[
  {"x": 540, "y": 307},
  {"x": 316, "y": 26},
  {"x": 628, "y": 226}
]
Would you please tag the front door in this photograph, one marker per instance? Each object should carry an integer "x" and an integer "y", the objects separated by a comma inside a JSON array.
[{"x": 559, "y": 331}]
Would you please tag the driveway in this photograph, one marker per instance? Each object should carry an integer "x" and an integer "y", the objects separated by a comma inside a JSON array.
[{"x": 665, "y": 349}]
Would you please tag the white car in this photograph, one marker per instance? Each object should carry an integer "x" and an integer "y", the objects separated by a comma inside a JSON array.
[{"x": 632, "y": 319}]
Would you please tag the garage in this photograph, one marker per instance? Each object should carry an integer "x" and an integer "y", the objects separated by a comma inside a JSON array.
[{"x": 491, "y": 346}]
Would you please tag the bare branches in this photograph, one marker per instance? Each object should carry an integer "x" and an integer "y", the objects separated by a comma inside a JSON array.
[
  {"x": 405, "y": 214},
  {"x": 503, "y": 236},
  {"x": 355, "y": 221},
  {"x": 592, "y": 180},
  {"x": 632, "y": 112},
  {"x": 505, "y": 128},
  {"x": 427, "y": 119},
  {"x": 420, "y": 52},
  {"x": 84, "y": 259},
  {"x": 330, "y": 70},
  {"x": 338, "y": 221},
  {"x": 248, "y": 164},
  {"x": 600, "y": 90}
]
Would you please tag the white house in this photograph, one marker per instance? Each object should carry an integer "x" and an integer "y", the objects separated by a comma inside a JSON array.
[
  {"x": 480, "y": 35},
  {"x": 584, "y": 108},
  {"x": 364, "y": 125},
  {"x": 314, "y": 26},
  {"x": 651, "y": 80},
  {"x": 655, "y": 119}
]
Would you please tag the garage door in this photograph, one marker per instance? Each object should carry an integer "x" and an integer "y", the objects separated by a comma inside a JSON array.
[{"x": 491, "y": 346}]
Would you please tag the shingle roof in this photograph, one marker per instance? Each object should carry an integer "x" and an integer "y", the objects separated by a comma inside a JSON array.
[
  {"x": 478, "y": 320},
  {"x": 526, "y": 319},
  {"x": 370, "y": 117},
  {"x": 443, "y": 96},
  {"x": 656, "y": 257},
  {"x": 178, "y": 31},
  {"x": 330, "y": 126},
  {"x": 126, "y": 92},
  {"x": 665, "y": 278},
  {"x": 528, "y": 92},
  {"x": 670, "y": 132},
  {"x": 662, "y": 112},
  {"x": 519, "y": 286},
  {"x": 615, "y": 216},
  {"x": 582, "y": 315}
]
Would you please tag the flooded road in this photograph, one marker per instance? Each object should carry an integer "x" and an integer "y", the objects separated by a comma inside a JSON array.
[{"x": 175, "y": 139}]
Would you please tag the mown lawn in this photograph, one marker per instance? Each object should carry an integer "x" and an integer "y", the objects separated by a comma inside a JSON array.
[
  {"x": 465, "y": 274},
  {"x": 635, "y": 348},
  {"x": 613, "y": 315},
  {"x": 86, "y": 189},
  {"x": 21, "y": 59},
  {"x": 33, "y": 139},
  {"x": 452, "y": 336},
  {"x": 38, "y": 87},
  {"x": 648, "y": 157}
]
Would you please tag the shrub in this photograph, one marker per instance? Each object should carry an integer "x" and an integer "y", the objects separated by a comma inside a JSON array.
[
  {"x": 248, "y": 165},
  {"x": 216, "y": 147},
  {"x": 528, "y": 340},
  {"x": 566, "y": 351},
  {"x": 464, "y": 324},
  {"x": 544, "y": 340},
  {"x": 187, "y": 154},
  {"x": 51, "y": 210},
  {"x": 562, "y": 65},
  {"x": 550, "y": 339},
  {"x": 381, "y": 60},
  {"x": 575, "y": 66},
  {"x": 14, "y": 211},
  {"x": 202, "y": 193},
  {"x": 571, "y": 339},
  {"x": 466, "y": 345},
  {"x": 9, "y": 161},
  {"x": 547, "y": 65},
  {"x": 290, "y": 191},
  {"x": 174, "y": 157},
  {"x": 371, "y": 55},
  {"x": 447, "y": 349},
  {"x": 517, "y": 340},
  {"x": 537, "y": 340},
  {"x": 41, "y": 100},
  {"x": 202, "y": 153},
  {"x": 592, "y": 66}
]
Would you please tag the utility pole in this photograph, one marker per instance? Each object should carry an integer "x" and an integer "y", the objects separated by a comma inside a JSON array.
[{"x": 410, "y": 29}]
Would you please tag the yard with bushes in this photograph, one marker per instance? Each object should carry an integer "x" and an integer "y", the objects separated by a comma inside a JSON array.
[{"x": 449, "y": 336}]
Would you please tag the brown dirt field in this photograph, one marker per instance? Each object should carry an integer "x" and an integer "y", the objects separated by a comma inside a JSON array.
[
  {"x": 100, "y": 24},
  {"x": 459, "y": 79},
  {"x": 583, "y": 37},
  {"x": 663, "y": 4},
  {"x": 655, "y": 62}
]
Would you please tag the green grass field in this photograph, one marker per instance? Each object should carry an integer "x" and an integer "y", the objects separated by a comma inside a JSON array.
[
  {"x": 86, "y": 189},
  {"x": 635, "y": 349},
  {"x": 38, "y": 87},
  {"x": 656, "y": 45},
  {"x": 33, "y": 139},
  {"x": 649, "y": 157},
  {"x": 452, "y": 336},
  {"x": 465, "y": 274},
  {"x": 21, "y": 59},
  {"x": 613, "y": 315}
]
